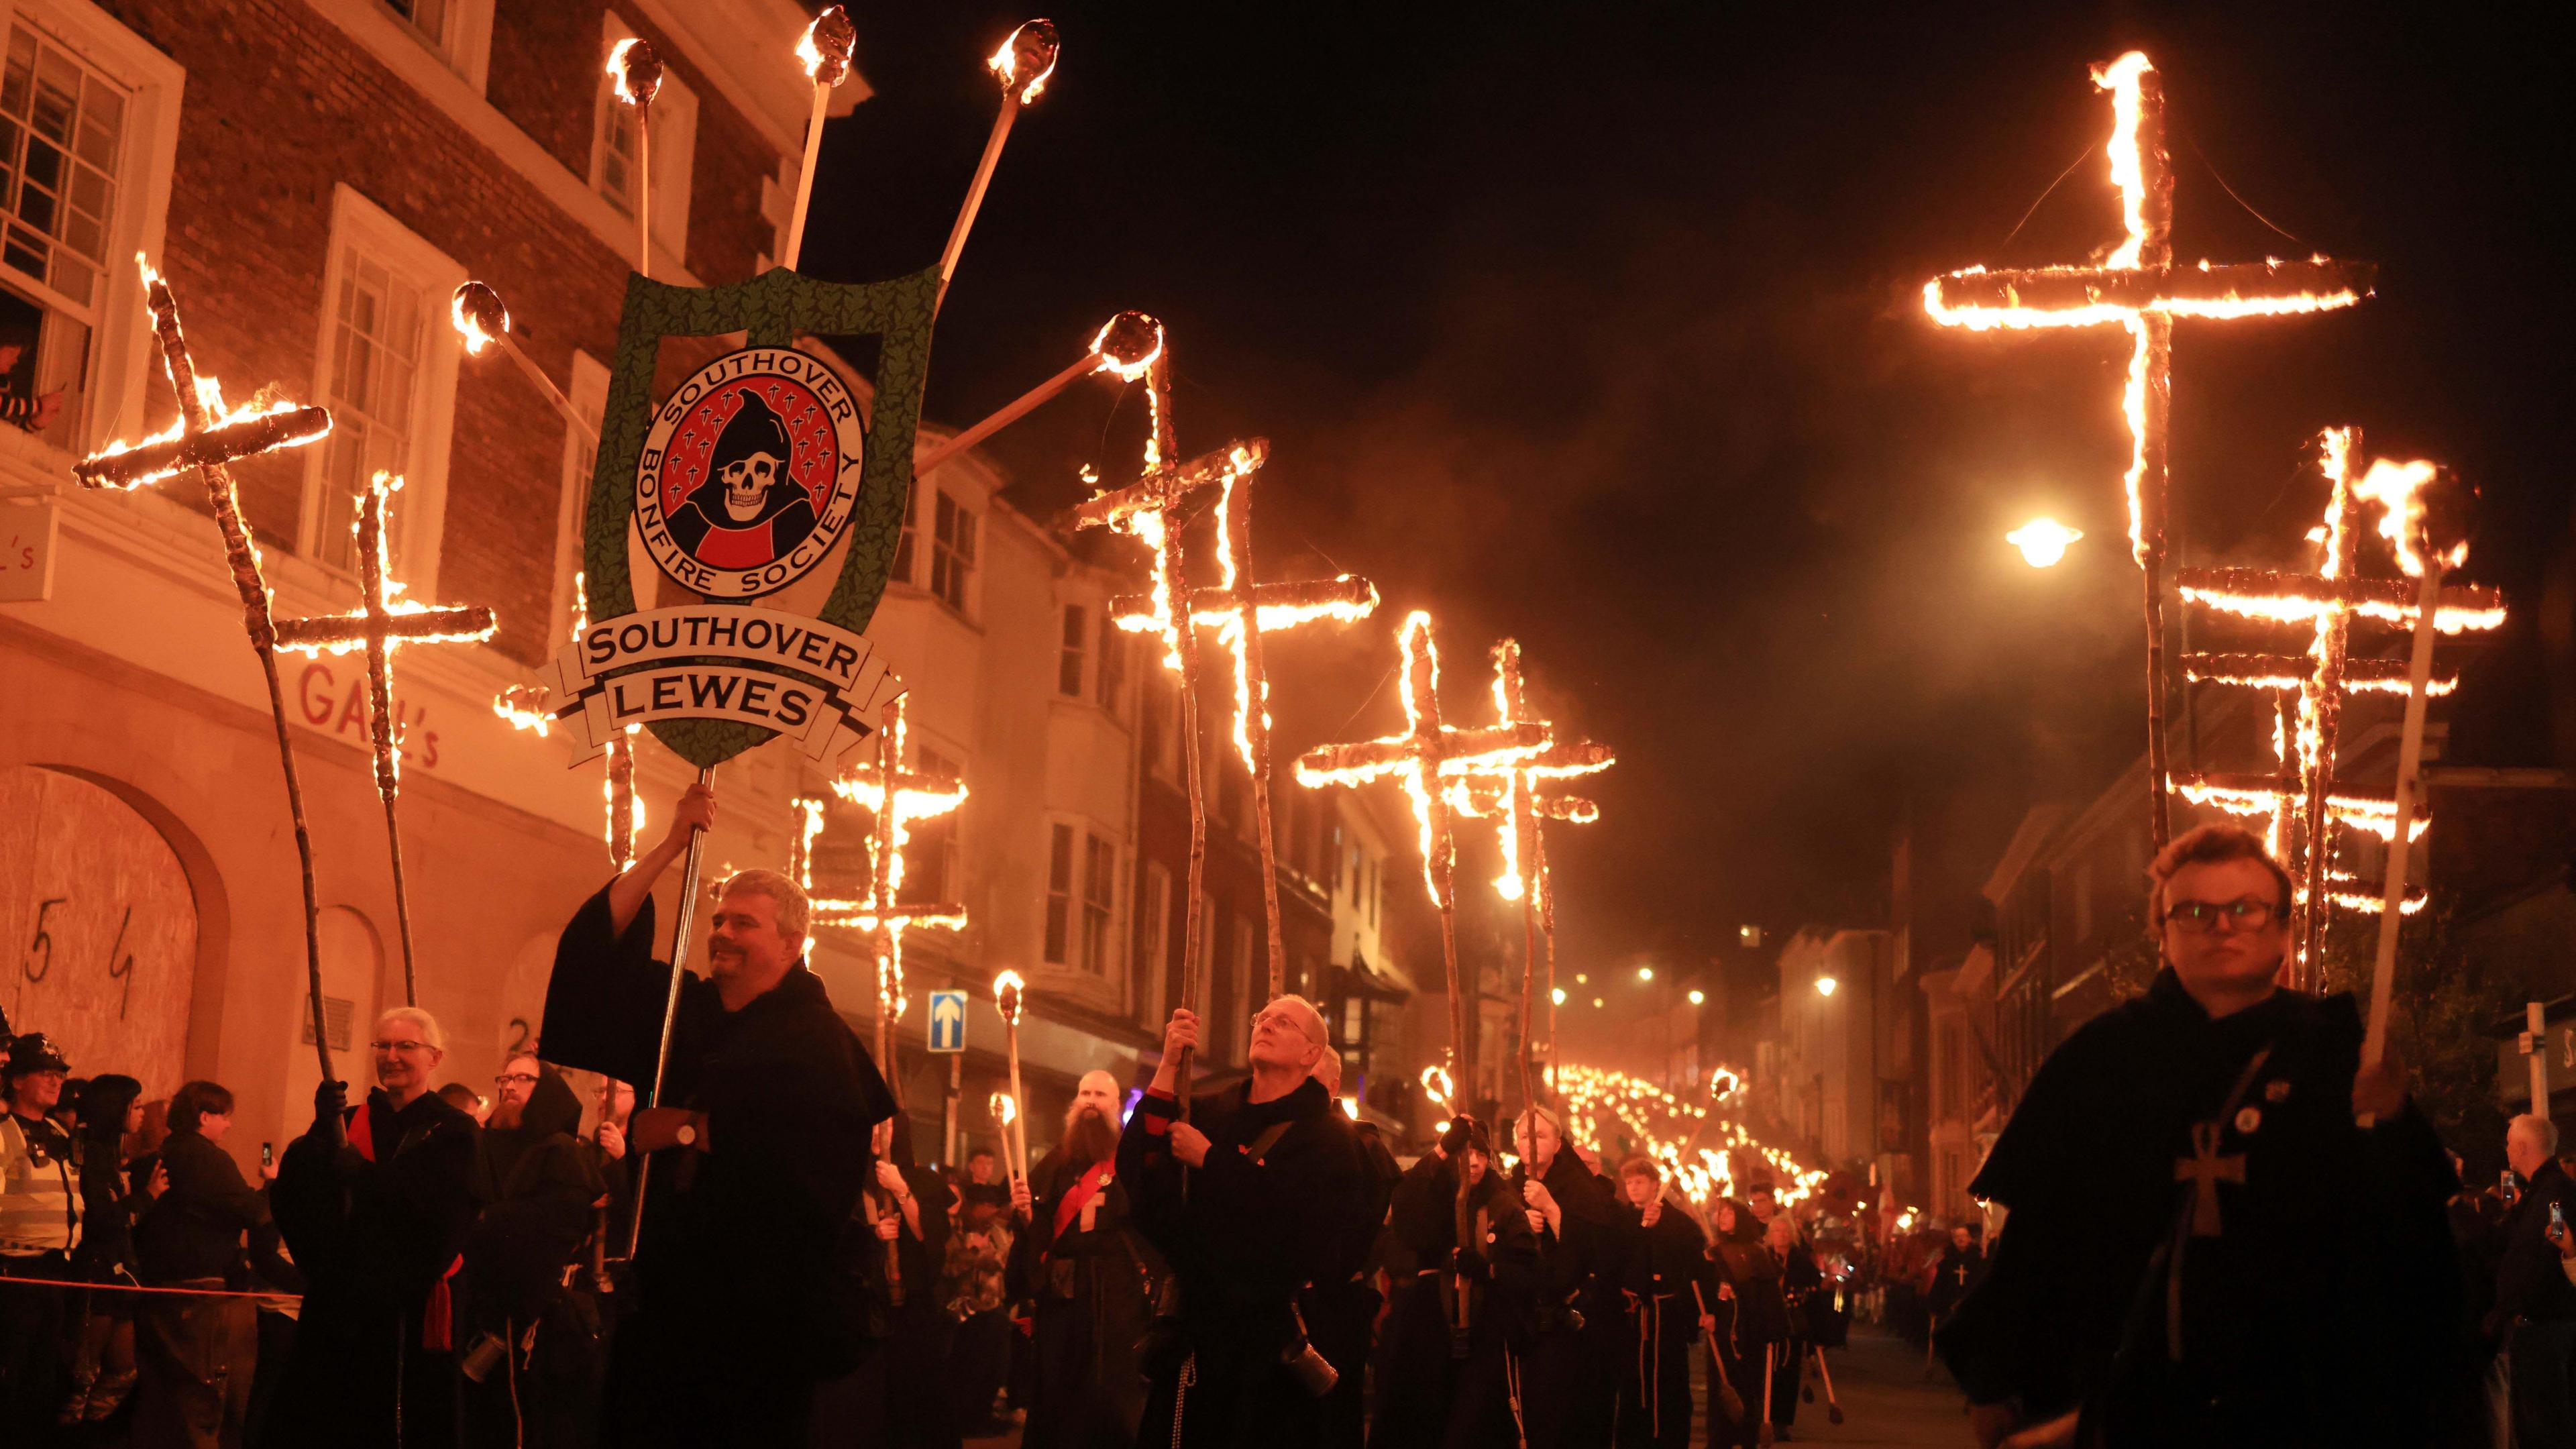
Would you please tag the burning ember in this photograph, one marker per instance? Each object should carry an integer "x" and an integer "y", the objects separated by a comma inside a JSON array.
[{"x": 1031, "y": 52}]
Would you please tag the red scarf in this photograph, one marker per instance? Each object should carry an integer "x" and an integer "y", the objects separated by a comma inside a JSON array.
[
  {"x": 437, "y": 1318},
  {"x": 1074, "y": 1201}
]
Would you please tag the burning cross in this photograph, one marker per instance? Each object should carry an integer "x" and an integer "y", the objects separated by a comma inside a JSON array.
[
  {"x": 2328, "y": 601},
  {"x": 2139, "y": 288},
  {"x": 524, "y": 706},
  {"x": 1424, "y": 758},
  {"x": 1241, "y": 614},
  {"x": 1510, "y": 796},
  {"x": 207, "y": 437},
  {"x": 384, "y": 620},
  {"x": 898, "y": 798},
  {"x": 2205, "y": 1170}
]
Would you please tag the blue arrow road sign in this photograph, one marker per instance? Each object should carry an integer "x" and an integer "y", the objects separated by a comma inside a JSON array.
[{"x": 948, "y": 1021}]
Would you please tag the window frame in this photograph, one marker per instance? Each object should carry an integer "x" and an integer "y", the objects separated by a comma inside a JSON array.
[
  {"x": 1153, "y": 959},
  {"x": 420, "y": 524},
  {"x": 1055, "y": 914},
  {"x": 464, "y": 41},
  {"x": 588, "y": 394},
  {"x": 1099, "y": 905},
  {"x": 953, "y": 558},
  {"x": 1073, "y": 648},
  {"x": 121, "y": 358}
]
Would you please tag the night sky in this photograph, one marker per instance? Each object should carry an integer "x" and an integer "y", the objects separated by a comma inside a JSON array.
[{"x": 1600, "y": 326}]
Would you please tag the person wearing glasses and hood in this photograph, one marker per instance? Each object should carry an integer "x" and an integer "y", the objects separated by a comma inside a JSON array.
[
  {"x": 374, "y": 1201},
  {"x": 529, "y": 1357},
  {"x": 1249, "y": 1199},
  {"x": 2206, "y": 1247}
]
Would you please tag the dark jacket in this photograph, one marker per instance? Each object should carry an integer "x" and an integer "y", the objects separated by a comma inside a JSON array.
[
  {"x": 2328, "y": 1283},
  {"x": 748, "y": 1232},
  {"x": 1246, "y": 1234},
  {"x": 195, "y": 1228},
  {"x": 537, "y": 1187},
  {"x": 2529, "y": 1282},
  {"x": 376, "y": 1239}
]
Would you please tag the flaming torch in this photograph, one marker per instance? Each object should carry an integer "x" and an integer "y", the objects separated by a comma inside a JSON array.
[
  {"x": 481, "y": 319},
  {"x": 1010, "y": 993},
  {"x": 2141, "y": 290},
  {"x": 1126, "y": 347},
  {"x": 208, "y": 437},
  {"x": 1439, "y": 1088},
  {"x": 635, "y": 72},
  {"x": 2408, "y": 525},
  {"x": 383, "y": 621},
  {"x": 1022, "y": 66},
  {"x": 1006, "y": 1112},
  {"x": 825, "y": 51}
]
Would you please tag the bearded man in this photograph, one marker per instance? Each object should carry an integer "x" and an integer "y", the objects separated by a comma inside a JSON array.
[{"x": 1086, "y": 1267}]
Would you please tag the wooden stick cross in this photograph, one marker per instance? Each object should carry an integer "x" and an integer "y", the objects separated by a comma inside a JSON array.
[
  {"x": 1510, "y": 796},
  {"x": 2302, "y": 797},
  {"x": 2140, "y": 289},
  {"x": 384, "y": 620},
  {"x": 1425, "y": 758},
  {"x": 1241, "y": 612},
  {"x": 207, "y": 437},
  {"x": 899, "y": 798}
]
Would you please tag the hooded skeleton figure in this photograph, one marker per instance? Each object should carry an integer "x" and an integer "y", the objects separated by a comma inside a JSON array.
[{"x": 747, "y": 511}]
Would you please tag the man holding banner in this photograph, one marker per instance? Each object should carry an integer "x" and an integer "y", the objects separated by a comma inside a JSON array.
[{"x": 761, "y": 1145}]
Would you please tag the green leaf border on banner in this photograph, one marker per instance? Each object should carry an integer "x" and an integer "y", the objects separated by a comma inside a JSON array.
[{"x": 773, "y": 308}]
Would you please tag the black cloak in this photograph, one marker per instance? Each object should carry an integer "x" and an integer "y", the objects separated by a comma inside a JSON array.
[
  {"x": 744, "y": 1236},
  {"x": 2307, "y": 1319}
]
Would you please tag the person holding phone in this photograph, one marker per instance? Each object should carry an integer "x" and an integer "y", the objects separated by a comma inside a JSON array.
[
  {"x": 2535, "y": 1308},
  {"x": 193, "y": 1236}
]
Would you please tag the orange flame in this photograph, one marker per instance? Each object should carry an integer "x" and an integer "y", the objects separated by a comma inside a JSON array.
[
  {"x": 1038, "y": 39},
  {"x": 1009, "y": 994}
]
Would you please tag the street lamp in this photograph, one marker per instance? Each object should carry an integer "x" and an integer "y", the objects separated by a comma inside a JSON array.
[
  {"x": 1698, "y": 997},
  {"x": 2043, "y": 541},
  {"x": 1557, "y": 995},
  {"x": 1645, "y": 973},
  {"x": 1825, "y": 985}
]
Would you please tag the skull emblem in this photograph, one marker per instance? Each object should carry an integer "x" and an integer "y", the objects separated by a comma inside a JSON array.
[{"x": 746, "y": 484}]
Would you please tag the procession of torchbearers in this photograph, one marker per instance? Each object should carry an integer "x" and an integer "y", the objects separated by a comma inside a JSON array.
[{"x": 2222, "y": 1219}]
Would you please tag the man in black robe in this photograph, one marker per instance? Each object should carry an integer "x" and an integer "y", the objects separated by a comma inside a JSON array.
[
  {"x": 1570, "y": 1383},
  {"x": 1247, "y": 1200},
  {"x": 1080, "y": 1260},
  {"x": 760, "y": 1143},
  {"x": 1671, "y": 1291},
  {"x": 748, "y": 511},
  {"x": 1962, "y": 1264},
  {"x": 2204, "y": 1247},
  {"x": 1459, "y": 1328},
  {"x": 1341, "y": 1308},
  {"x": 374, "y": 1202},
  {"x": 528, "y": 1353}
]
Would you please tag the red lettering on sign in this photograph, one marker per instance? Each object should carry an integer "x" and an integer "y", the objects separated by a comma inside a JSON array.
[{"x": 317, "y": 706}]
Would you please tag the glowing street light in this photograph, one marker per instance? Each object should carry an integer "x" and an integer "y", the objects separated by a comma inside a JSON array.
[
  {"x": 2043, "y": 541},
  {"x": 1698, "y": 997},
  {"x": 1825, "y": 985},
  {"x": 1596, "y": 1002},
  {"x": 1557, "y": 995},
  {"x": 1645, "y": 973},
  {"x": 1582, "y": 980}
]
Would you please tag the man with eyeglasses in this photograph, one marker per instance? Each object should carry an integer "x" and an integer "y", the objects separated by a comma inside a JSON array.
[
  {"x": 2205, "y": 1246},
  {"x": 744, "y": 1297},
  {"x": 374, "y": 1201},
  {"x": 1249, "y": 1198}
]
